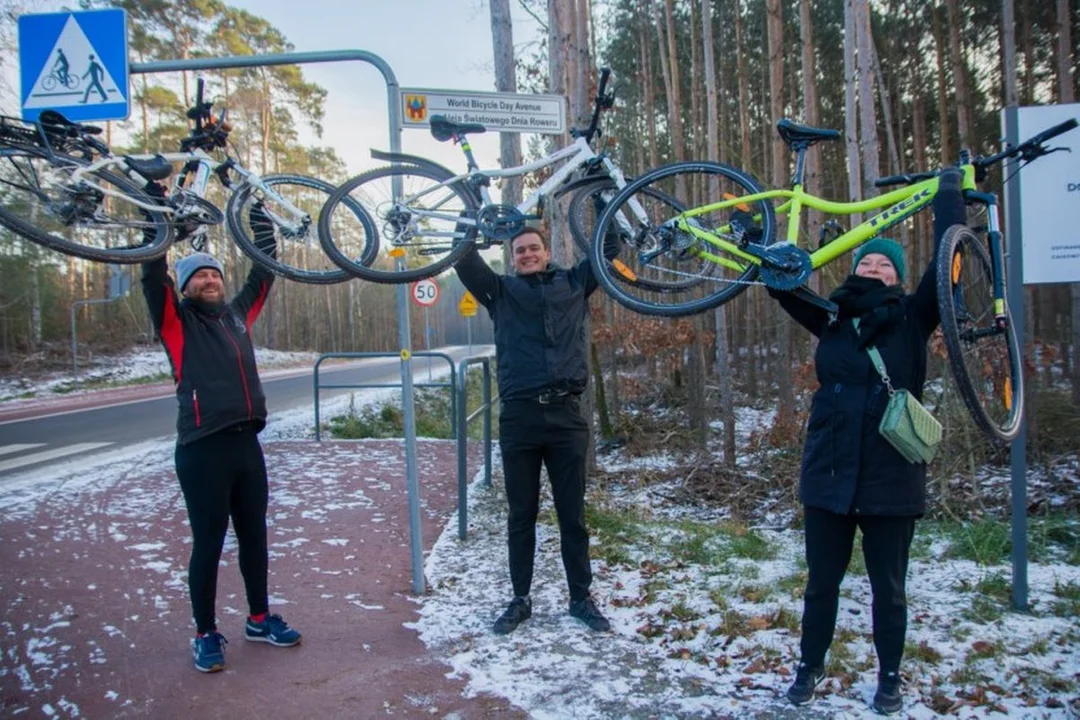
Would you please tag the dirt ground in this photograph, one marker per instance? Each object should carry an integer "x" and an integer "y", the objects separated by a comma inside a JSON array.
[{"x": 96, "y": 618}]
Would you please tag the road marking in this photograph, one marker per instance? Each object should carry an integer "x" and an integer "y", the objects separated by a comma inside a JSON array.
[
  {"x": 50, "y": 455},
  {"x": 18, "y": 447}
]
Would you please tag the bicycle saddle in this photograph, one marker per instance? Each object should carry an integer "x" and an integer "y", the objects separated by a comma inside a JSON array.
[
  {"x": 803, "y": 135},
  {"x": 443, "y": 129},
  {"x": 54, "y": 122},
  {"x": 156, "y": 168}
]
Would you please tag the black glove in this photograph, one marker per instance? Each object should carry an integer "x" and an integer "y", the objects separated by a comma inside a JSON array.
[{"x": 262, "y": 230}]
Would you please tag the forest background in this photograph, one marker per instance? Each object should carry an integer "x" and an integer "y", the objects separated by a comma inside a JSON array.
[{"x": 910, "y": 82}]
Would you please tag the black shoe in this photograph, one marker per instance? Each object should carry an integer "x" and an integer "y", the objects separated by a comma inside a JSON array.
[
  {"x": 587, "y": 612},
  {"x": 518, "y": 611},
  {"x": 887, "y": 699},
  {"x": 807, "y": 680}
]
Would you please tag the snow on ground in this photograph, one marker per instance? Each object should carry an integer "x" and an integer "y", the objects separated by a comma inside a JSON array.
[
  {"x": 704, "y": 613},
  {"x": 705, "y": 625},
  {"x": 141, "y": 364}
]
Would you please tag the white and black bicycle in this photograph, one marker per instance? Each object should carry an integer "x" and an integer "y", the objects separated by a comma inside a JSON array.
[
  {"x": 426, "y": 217},
  {"x": 62, "y": 188}
]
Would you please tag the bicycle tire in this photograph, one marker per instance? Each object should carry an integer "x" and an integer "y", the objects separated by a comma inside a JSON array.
[
  {"x": 985, "y": 360},
  {"x": 585, "y": 205},
  {"x": 76, "y": 219},
  {"x": 641, "y": 276},
  {"x": 411, "y": 242},
  {"x": 294, "y": 259}
]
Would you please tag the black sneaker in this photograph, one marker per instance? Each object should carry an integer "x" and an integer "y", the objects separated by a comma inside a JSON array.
[
  {"x": 807, "y": 680},
  {"x": 518, "y": 611},
  {"x": 587, "y": 612},
  {"x": 887, "y": 699}
]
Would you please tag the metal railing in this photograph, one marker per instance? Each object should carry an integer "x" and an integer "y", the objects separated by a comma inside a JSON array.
[
  {"x": 452, "y": 384},
  {"x": 464, "y": 418}
]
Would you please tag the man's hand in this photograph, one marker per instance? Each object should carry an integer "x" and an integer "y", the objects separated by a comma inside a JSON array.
[{"x": 262, "y": 229}]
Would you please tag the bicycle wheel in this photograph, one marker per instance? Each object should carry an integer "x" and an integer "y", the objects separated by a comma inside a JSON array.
[
  {"x": 299, "y": 254},
  {"x": 984, "y": 355},
  {"x": 668, "y": 263},
  {"x": 588, "y": 202},
  {"x": 40, "y": 201},
  {"x": 417, "y": 231}
]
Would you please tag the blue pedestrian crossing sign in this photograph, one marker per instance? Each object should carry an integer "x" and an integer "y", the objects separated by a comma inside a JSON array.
[{"x": 75, "y": 63}]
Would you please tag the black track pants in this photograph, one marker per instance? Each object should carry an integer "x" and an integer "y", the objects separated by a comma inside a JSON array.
[
  {"x": 224, "y": 475},
  {"x": 829, "y": 541},
  {"x": 555, "y": 434}
]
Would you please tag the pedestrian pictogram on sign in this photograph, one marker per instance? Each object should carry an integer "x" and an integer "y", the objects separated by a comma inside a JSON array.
[
  {"x": 76, "y": 63},
  {"x": 425, "y": 293},
  {"x": 467, "y": 306}
]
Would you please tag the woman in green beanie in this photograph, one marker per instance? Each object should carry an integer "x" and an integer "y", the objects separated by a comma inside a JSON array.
[{"x": 851, "y": 477}]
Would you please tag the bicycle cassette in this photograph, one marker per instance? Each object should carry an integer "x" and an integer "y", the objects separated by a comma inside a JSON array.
[
  {"x": 499, "y": 222},
  {"x": 785, "y": 266}
]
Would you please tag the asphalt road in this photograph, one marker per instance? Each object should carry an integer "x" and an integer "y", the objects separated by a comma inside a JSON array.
[{"x": 60, "y": 434}]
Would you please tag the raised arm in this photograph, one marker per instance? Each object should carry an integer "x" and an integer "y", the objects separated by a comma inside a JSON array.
[
  {"x": 810, "y": 316},
  {"x": 949, "y": 210},
  {"x": 250, "y": 300},
  {"x": 584, "y": 270},
  {"x": 477, "y": 277}
]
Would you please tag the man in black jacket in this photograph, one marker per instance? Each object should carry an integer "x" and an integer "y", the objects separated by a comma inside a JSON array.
[
  {"x": 540, "y": 345},
  {"x": 219, "y": 461}
]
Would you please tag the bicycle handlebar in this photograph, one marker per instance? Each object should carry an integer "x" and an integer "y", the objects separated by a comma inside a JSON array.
[
  {"x": 603, "y": 101},
  {"x": 1028, "y": 150}
]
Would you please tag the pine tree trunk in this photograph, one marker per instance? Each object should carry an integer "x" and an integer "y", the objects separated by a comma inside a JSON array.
[
  {"x": 851, "y": 132},
  {"x": 502, "y": 40}
]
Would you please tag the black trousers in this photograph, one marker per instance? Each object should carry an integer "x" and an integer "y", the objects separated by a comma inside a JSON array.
[
  {"x": 829, "y": 541},
  {"x": 224, "y": 475},
  {"x": 556, "y": 435}
]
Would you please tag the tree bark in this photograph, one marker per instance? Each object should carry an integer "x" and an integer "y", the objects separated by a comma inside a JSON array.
[
  {"x": 502, "y": 37},
  {"x": 851, "y": 131}
]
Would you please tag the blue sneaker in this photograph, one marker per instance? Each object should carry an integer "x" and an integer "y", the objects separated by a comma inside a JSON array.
[
  {"x": 209, "y": 651},
  {"x": 272, "y": 630}
]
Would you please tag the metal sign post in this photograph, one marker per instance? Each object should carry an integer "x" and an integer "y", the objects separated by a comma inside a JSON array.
[{"x": 1051, "y": 249}]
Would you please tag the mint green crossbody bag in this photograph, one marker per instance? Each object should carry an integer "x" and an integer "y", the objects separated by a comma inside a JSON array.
[{"x": 907, "y": 425}]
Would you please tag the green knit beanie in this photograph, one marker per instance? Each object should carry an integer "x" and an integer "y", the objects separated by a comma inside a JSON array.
[{"x": 887, "y": 247}]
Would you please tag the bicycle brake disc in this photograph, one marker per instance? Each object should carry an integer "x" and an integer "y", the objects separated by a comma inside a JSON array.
[{"x": 785, "y": 267}]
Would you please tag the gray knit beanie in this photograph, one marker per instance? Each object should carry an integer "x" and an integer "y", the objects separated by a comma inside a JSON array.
[{"x": 191, "y": 264}]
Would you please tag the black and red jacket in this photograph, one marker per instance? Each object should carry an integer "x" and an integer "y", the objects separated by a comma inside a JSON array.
[{"x": 210, "y": 350}]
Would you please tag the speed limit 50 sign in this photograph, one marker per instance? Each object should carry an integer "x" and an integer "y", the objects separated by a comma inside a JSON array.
[{"x": 425, "y": 293}]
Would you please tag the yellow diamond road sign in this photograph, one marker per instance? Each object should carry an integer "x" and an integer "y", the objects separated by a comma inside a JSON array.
[{"x": 467, "y": 306}]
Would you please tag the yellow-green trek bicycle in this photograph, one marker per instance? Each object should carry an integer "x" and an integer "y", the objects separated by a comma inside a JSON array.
[{"x": 731, "y": 223}]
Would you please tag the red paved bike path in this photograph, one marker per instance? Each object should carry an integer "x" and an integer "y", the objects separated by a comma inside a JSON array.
[{"x": 96, "y": 619}]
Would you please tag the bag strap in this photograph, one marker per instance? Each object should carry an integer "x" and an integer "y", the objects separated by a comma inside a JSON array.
[{"x": 879, "y": 363}]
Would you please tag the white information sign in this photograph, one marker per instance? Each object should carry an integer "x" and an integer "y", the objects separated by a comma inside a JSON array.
[
  {"x": 1050, "y": 198},
  {"x": 502, "y": 112}
]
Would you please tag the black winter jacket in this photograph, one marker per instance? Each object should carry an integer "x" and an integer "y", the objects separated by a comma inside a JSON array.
[
  {"x": 847, "y": 466},
  {"x": 212, "y": 358},
  {"x": 539, "y": 324}
]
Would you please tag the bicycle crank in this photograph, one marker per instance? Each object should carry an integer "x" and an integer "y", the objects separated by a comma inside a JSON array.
[{"x": 784, "y": 266}]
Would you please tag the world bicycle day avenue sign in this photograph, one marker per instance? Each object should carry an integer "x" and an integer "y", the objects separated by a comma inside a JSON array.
[{"x": 501, "y": 112}]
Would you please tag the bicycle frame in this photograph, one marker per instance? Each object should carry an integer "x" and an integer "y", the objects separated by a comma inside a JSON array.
[
  {"x": 205, "y": 167},
  {"x": 898, "y": 205},
  {"x": 576, "y": 155}
]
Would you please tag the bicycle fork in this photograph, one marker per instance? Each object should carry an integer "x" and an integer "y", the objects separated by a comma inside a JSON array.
[{"x": 997, "y": 254}]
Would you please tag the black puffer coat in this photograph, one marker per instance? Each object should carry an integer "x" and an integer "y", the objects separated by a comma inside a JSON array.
[{"x": 847, "y": 466}]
